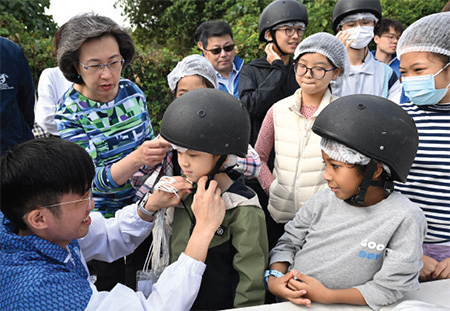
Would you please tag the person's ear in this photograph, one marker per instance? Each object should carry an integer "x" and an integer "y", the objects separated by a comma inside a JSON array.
[
  {"x": 200, "y": 45},
  {"x": 269, "y": 35},
  {"x": 336, "y": 73},
  {"x": 36, "y": 220},
  {"x": 77, "y": 67},
  {"x": 378, "y": 172},
  {"x": 376, "y": 39}
]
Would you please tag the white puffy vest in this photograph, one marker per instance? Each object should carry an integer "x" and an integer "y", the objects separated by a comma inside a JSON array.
[{"x": 299, "y": 167}]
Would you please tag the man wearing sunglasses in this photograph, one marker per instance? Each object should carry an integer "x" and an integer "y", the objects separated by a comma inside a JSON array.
[
  {"x": 47, "y": 232},
  {"x": 215, "y": 39}
]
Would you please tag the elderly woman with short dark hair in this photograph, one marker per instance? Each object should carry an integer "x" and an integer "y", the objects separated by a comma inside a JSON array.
[{"x": 102, "y": 112}]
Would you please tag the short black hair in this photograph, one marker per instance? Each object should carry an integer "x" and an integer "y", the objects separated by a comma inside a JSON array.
[
  {"x": 386, "y": 23},
  {"x": 210, "y": 29},
  {"x": 40, "y": 171}
]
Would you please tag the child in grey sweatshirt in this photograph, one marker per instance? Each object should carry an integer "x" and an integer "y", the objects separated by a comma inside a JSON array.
[{"x": 357, "y": 241}]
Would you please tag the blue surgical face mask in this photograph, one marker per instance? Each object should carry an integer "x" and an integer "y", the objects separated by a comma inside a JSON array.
[{"x": 422, "y": 91}]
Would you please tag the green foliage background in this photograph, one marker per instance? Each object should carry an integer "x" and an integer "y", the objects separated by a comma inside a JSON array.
[{"x": 163, "y": 32}]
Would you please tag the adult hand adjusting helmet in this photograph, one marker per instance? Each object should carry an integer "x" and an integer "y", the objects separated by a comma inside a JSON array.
[{"x": 377, "y": 128}]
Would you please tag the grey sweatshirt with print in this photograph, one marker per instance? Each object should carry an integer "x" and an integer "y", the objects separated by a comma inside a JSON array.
[{"x": 376, "y": 249}]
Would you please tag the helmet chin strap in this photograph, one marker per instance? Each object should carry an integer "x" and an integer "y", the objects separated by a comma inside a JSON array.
[
  {"x": 274, "y": 40},
  {"x": 216, "y": 169},
  {"x": 358, "y": 198}
]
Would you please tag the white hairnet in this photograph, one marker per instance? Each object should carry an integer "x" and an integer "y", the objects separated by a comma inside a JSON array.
[
  {"x": 429, "y": 34},
  {"x": 192, "y": 65},
  {"x": 290, "y": 24},
  {"x": 342, "y": 153},
  {"x": 327, "y": 45},
  {"x": 357, "y": 16}
]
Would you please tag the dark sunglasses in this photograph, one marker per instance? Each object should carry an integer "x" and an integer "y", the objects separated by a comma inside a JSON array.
[{"x": 216, "y": 51}]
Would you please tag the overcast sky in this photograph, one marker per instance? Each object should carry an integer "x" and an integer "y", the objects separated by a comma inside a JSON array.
[{"x": 63, "y": 10}]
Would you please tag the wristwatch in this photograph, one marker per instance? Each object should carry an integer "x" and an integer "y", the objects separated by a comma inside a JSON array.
[
  {"x": 141, "y": 205},
  {"x": 271, "y": 272}
]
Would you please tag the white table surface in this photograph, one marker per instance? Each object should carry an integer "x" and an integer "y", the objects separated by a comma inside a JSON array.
[{"x": 436, "y": 292}]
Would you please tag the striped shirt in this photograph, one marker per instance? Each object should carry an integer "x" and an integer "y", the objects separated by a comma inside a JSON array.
[
  {"x": 109, "y": 132},
  {"x": 428, "y": 182}
]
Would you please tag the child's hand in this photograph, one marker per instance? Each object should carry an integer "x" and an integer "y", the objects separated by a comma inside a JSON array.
[
  {"x": 271, "y": 54},
  {"x": 208, "y": 205},
  {"x": 314, "y": 289},
  {"x": 161, "y": 199},
  {"x": 429, "y": 266},
  {"x": 343, "y": 37},
  {"x": 442, "y": 270},
  {"x": 278, "y": 287}
]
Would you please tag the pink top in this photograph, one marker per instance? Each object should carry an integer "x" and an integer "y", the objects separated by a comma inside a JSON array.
[{"x": 266, "y": 141}]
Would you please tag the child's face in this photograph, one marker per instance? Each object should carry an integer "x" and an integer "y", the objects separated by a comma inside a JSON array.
[
  {"x": 387, "y": 42},
  {"x": 342, "y": 178},
  {"x": 287, "y": 44},
  {"x": 189, "y": 83},
  {"x": 424, "y": 63},
  {"x": 307, "y": 82},
  {"x": 359, "y": 22},
  {"x": 196, "y": 164}
]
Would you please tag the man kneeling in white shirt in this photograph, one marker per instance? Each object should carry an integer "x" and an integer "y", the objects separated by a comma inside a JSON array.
[{"x": 47, "y": 233}]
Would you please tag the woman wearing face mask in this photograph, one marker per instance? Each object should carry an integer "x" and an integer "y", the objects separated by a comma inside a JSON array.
[
  {"x": 424, "y": 52},
  {"x": 354, "y": 22}
]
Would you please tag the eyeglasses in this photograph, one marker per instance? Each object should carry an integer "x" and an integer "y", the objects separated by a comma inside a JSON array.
[
  {"x": 70, "y": 202},
  {"x": 359, "y": 22},
  {"x": 115, "y": 65},
  {"x": 290, "y": 31},
  {"x": 391, "y": 37},
  {"x": 317, "y": 72},
  {"x": 227, "y": 48}
]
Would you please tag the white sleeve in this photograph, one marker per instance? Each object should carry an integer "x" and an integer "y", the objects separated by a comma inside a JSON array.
[
  {"x": 175, "y": 290},
  {"x": 52, "y": 85},
  {"x": 395, "y": 92},
  {"x": 113, "y": 238}
]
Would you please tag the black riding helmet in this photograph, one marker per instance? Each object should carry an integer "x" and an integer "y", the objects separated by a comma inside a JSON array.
[
  {"x": 281, "y": 11},
  {"x": 208, "y": 120},
  {"x": 344, "y": 8},
  {"x": 375, "y": 127}
]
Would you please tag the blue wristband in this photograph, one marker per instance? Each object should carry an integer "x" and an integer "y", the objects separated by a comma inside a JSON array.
[{"x": 271, "y": 272}]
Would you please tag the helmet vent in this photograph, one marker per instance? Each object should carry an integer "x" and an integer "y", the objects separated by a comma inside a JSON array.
[
  {"x": 361, "y": 106},
  {"x": 201, "y": 114}
]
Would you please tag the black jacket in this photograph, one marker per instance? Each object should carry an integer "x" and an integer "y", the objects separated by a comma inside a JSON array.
[{"x": 261, "y": 85}]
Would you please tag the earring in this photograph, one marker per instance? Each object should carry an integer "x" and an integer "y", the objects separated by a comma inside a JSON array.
[{"x": 79, "y": 77}]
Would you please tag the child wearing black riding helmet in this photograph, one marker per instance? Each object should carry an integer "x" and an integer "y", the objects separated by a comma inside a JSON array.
[
  {"x": 266, "y": 80},
  {"x": 354, "y": 22},
  {"x": 356, "y": 241},
  {"x": 209, "y": 129}
]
